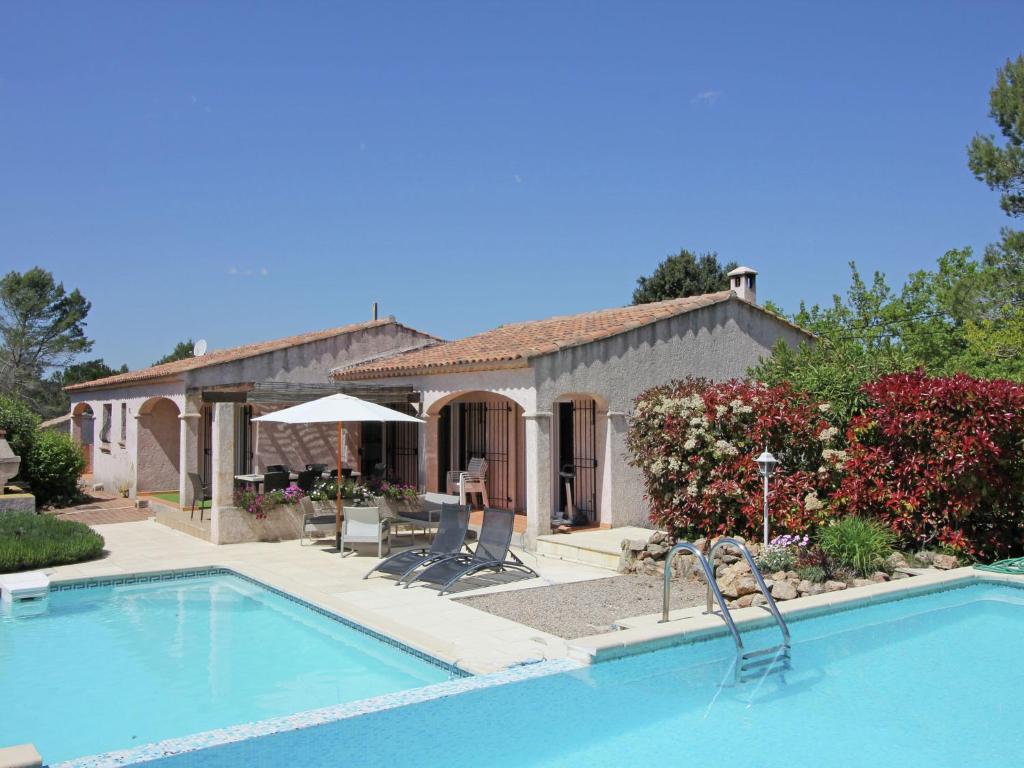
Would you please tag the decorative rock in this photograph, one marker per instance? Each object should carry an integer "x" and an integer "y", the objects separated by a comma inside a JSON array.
[
  {"x": 779, "y": 576},
  {"x": 900, "y": 575},
  {"x": 735, "y": 585},
  {"x": 924, "y": 556},
  {"x": 657, "y": 538},
  {"x": 627, "y": 561},
  {"x": 879, "y": 577},
  {"x": 634, "y": 544},
  {"x": 758, "y": 599},
  {"x": 945, "y": 562},
  {"x": 784, "y": 590},
  {"x": 861, "y": 583},
  {"x": 894, "y": 561},
  {"x": 744, "y": 602},
  {"x": 834, "y": 586},
  {"x": 658, "y": 550}
]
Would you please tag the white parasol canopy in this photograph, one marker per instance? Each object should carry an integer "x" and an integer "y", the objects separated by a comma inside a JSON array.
[
  {"x": 337, "y": 409},
  {"x": 334, "y": 408}
]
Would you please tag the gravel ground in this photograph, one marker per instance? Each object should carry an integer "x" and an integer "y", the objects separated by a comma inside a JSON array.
[{"x": 586, "y": 607}]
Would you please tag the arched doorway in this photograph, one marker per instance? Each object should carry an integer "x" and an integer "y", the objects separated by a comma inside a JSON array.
[
  {"x": 82, "y": 424},
  {"x": 159, "y": 436},
  {"x": 483, "y": 425}
]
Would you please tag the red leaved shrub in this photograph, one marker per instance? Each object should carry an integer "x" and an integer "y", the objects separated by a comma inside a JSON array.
[
  {"x": 940, "y": 461},
  {"x": 695, "y": 444}
]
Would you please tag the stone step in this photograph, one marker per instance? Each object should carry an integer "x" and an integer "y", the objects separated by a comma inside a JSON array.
[{"x": 600, "y": 548}]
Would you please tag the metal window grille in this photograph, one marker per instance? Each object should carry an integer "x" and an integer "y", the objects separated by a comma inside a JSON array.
[
  {"x": 403, "y": 452},
  {"x": 124, "y": 422},
  {"x": 108, "y": 409},
  {"x": 487, "y": 432},
  {"x": 206, "y": 423},
  {"x": 584, "y": 441}
]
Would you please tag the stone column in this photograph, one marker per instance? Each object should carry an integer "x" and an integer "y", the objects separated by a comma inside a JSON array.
[
  {"x": 223, "y": 464},
  {"x": 617, "y": 505},
  {"x": 538, "y": 476},
  {"x": 428, "y": 453},
  {"x": 188, "y": 448}
]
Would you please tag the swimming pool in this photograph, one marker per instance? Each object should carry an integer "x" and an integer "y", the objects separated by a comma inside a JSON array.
[
  {"x": 932, "y": 679},
  {"x": 110, "y": 667}
]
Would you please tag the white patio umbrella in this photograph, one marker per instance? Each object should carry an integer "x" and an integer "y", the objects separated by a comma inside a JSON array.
[{"x": 337, "y": 409}]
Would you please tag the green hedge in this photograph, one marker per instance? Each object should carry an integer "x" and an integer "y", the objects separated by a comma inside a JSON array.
[
  {"x": 51, "y": 462},
  {"x": 22, "y": 428},
  {"x": 54, "y": 464},
  {"x": 29, "y": 541}
]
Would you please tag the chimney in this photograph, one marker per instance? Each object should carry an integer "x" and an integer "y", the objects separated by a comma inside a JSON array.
[
  {"x": 375, "y": 310},
  {"x": 743, "y": 282}
]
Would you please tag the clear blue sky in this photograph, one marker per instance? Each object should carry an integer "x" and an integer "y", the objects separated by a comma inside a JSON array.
[{"x": 241, "y": 171}]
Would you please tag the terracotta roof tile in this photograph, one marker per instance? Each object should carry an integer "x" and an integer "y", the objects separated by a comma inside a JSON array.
[
  {"x": 219, "y": 356},
  {"x": 512, "y": 345}
]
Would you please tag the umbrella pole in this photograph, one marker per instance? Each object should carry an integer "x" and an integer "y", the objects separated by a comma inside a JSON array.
[{"x": 337, "y": 497}]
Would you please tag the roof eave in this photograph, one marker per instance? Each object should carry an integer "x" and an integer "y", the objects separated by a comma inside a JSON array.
[{"x": 432, "y": 370}]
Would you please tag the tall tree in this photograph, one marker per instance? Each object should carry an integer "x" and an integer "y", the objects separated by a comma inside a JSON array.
[
  {"x": 42, "y": 327},
  {"x": 181, "y": 351},
  {"x": 1002, "y": 167},
  {"x": 53, "y": 401},
  {"x": 684, "y": 274}
]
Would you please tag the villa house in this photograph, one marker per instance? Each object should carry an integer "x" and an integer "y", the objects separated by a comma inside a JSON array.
[
  {"x": 547, "y": 402},
  {"x": 150, "y": 428}
]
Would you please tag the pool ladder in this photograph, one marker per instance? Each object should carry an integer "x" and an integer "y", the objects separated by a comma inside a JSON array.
[{"x": 749, "y": 665}]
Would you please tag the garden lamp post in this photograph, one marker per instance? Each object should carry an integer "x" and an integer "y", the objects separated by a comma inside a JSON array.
[{"x": 766, "y": 465}]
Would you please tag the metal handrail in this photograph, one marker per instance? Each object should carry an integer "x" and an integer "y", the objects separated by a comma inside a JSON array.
[
  {"x": 712, "y": 587},
  {"x": 755, "y": 571}
]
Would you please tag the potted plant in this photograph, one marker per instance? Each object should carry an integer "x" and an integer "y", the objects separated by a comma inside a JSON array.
[
  {"x": 259, "y": 504},
  {"x": 397, "y": 499},
  {"x": 325, "y": 492}
]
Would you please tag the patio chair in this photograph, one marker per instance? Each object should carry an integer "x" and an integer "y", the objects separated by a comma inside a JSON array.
[
  {"x": 306, "y": 479},
  {"x": 277, "y": 468},
  {"x": 473, "y": 479},
  {"x": 491, "y": 554},
  {"x": 363, "y": 525},
  {"x": 448, "y": 541},
  {"x": 200, "y": 493},
  {"x": 314, "y": 525},
  {"x": 275, "y": 481}
]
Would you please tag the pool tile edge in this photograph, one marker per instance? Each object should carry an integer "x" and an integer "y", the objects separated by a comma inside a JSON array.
[
  {"x": 323, "y": 716},
  {"x": 687, "y": 626}
]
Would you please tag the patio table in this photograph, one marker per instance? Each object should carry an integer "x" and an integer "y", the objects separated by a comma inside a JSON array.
[{"x": 257, "y": 479}]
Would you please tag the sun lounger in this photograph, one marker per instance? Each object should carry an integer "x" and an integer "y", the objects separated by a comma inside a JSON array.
[
  {"x": 491, "y": 554},
  {"x": 448, "y": 541}
]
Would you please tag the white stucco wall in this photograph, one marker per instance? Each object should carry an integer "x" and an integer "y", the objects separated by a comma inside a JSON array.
[
  {"x": 718, "y": 343},
  {"x": 117, "y": 461},
  {"x": 312, "y": 362}
]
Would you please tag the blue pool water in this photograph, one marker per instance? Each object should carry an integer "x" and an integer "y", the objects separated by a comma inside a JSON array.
[
  {"x": 114, "y": 667},
  {"x": 933, "y": 680}
]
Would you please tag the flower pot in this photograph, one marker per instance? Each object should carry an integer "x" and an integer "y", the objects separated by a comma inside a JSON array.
[{"x": 397, "y": 507}]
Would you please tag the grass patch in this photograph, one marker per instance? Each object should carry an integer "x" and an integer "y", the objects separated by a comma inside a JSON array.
[
  {"x": 857, "y": 543},
  {"x": 29, "y": 541},
  {"x": 174, "y": 498}
]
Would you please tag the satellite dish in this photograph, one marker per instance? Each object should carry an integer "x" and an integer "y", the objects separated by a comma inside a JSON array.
[{"x": 200, "y": 348}]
